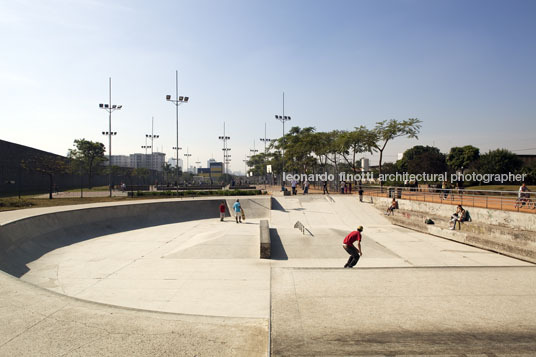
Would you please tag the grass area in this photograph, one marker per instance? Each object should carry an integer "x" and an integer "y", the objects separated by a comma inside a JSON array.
[
  {"x": 13, "y": 203},
  {"x": 93, "y": 189},
  {"x": 196, "y": 193},
  {"x": 9, "y": 204}
]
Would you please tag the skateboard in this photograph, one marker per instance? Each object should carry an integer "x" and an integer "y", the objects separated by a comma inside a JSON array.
[{"x": 243, "y": 214}]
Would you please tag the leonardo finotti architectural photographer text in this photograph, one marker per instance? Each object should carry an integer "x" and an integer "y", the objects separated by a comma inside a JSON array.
[{"x": 407, "y": 177}]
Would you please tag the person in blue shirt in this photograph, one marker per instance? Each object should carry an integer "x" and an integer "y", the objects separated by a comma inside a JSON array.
[{"x": 238, "y": 211}]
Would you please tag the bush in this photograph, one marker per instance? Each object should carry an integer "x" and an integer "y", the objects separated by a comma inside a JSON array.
[
  {"x": 13, "y": 202},
  {"x": 191, "y": 193}
]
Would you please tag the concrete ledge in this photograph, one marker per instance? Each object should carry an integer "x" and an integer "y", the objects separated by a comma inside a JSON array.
[
  {"x": 513, "y": 242},
  {"x": 265, "y": 241}
]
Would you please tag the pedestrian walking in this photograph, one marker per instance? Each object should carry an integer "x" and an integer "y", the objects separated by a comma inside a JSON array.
[
  {"x": 222, "y": 211},
  {"x": 306, "y": 187},
  {"x": 293, "y": 183},
  {"x": 238, "y": 211},
  {"x": 325, "y": 187},
  {"x": 348, "y": 245}
]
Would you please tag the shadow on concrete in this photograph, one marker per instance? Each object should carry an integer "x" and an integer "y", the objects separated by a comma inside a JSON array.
[
  {"x": 278, "y": 250},
  {"x": 277, "y": 206},
  {"x": 26, "y": 240}
]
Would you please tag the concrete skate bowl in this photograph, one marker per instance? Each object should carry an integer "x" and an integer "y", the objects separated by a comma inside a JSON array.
[{"x": 26, "y": 240}]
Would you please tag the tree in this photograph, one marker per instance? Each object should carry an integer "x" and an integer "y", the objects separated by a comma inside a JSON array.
[
  {"x": 421, "y": 159},
  {"x": 49, "y": 165},
  {"x": 460, "y": 158},
  {"x": 168, "y": 171},
  {"x": 500, "y": 161},
  {"x": 256, "y": 163},
  {"x": 352, "y": 143},
  {"x": 88, "y": 154},
  {"x": 299, "y": 145},
  {"x": 388, "y": 130}
]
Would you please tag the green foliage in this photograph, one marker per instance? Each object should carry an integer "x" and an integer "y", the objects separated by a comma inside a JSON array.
[
  {"x": 298, "y": 146},
  {"x": 14, "y": 203},
  {"x": 500, "y": 161},
  {"x": 87, "y": 156},
  {"x": 192, "y": 193},
  {"x": 388, "y": 130},
  {"x": 257, "y": 164},
  {"x": 49, "y": 165},
  {"x": 421, "y": 159},
  {"x": 460, "y": 158},
  {"x": 351, "y": 143}
]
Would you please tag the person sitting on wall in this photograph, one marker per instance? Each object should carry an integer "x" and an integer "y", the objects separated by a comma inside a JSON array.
[
  {"x": 392, "y": 207},
  {"x": 459, "y": 217}
]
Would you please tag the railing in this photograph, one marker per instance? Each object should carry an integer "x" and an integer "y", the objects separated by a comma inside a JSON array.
[{"x": 501, "y": 200}]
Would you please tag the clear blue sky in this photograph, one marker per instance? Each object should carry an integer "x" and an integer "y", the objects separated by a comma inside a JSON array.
[{"x": 465, "y": 68}]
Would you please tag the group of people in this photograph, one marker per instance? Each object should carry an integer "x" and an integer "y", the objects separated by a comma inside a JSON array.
[
  {"x": 237, "y": 210},
  {"x": 294, "y": 186}
]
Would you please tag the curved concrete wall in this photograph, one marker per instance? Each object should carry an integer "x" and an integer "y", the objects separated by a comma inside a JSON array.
[
  {"x": 509, "y": 233},
  {"x": 25, "y": 240}
]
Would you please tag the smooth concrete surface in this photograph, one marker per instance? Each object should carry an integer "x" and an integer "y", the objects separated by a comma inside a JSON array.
[
  {"x": 470, "y": 311},
  {"x": 149, "y": 258},
  {"x": 36, "y": 322}
]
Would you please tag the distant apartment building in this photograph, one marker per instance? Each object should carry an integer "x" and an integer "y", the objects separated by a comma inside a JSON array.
[
  {"x": 120, "y": 160},
  {"x": 154, "y": 161},
  {"x": 172, "y": 162}
]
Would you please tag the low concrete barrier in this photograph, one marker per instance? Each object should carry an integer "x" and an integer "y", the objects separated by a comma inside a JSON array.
[
  {"x": 265, "y": 241},
  {"x": 508, "y": 233}
]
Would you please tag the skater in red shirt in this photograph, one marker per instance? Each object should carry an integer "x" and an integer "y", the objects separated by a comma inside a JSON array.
[
  {"x": 348, "y": 245},
  {"x": 222, "y": 211}
]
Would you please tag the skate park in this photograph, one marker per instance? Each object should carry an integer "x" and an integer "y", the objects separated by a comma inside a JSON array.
[{"x": 166, "y": 277}]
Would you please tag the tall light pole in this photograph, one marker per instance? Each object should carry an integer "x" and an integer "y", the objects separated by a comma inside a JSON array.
[
  {"x": 110, "y": 108},
  {"x": 246, "y": 165},
  {"x": 283, "y": 118},
  {"x": 253, "y": 152},
  {"x": 225, "y": 149},
  {"x": 152, "y": 136},
  {"x": 146, "y": 146},
  {"x": 177, "y": 101},
  {"x": 265, "y": 140},
  {"x": 187, "y": 155}
]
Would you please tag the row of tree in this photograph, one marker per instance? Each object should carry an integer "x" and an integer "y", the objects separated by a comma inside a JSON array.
[
  {"x": 463, "y": 159},
  {"x": 308, "y": 151}
]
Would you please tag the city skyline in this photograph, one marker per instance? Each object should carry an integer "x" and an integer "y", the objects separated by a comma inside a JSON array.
[{"x": 465, "y": 69}]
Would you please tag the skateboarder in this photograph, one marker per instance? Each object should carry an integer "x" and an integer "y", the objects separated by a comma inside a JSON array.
[
  {"x": 348, "y": 245},
  {"x": 238, "y": 211},
  {"x": 222, "y": 211}
]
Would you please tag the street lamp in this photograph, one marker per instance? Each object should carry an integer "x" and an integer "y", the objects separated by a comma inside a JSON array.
[
  {"x": 177, "y": 101},
  {"x": 283, "y": 118},
  {"x": 265, "y": 140},
  {"x": 152, "y": 136},
  {"x": 225, "y": 149},
  {"x": 187, "y": 155},
  {"x": 110, "y": 108}
]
